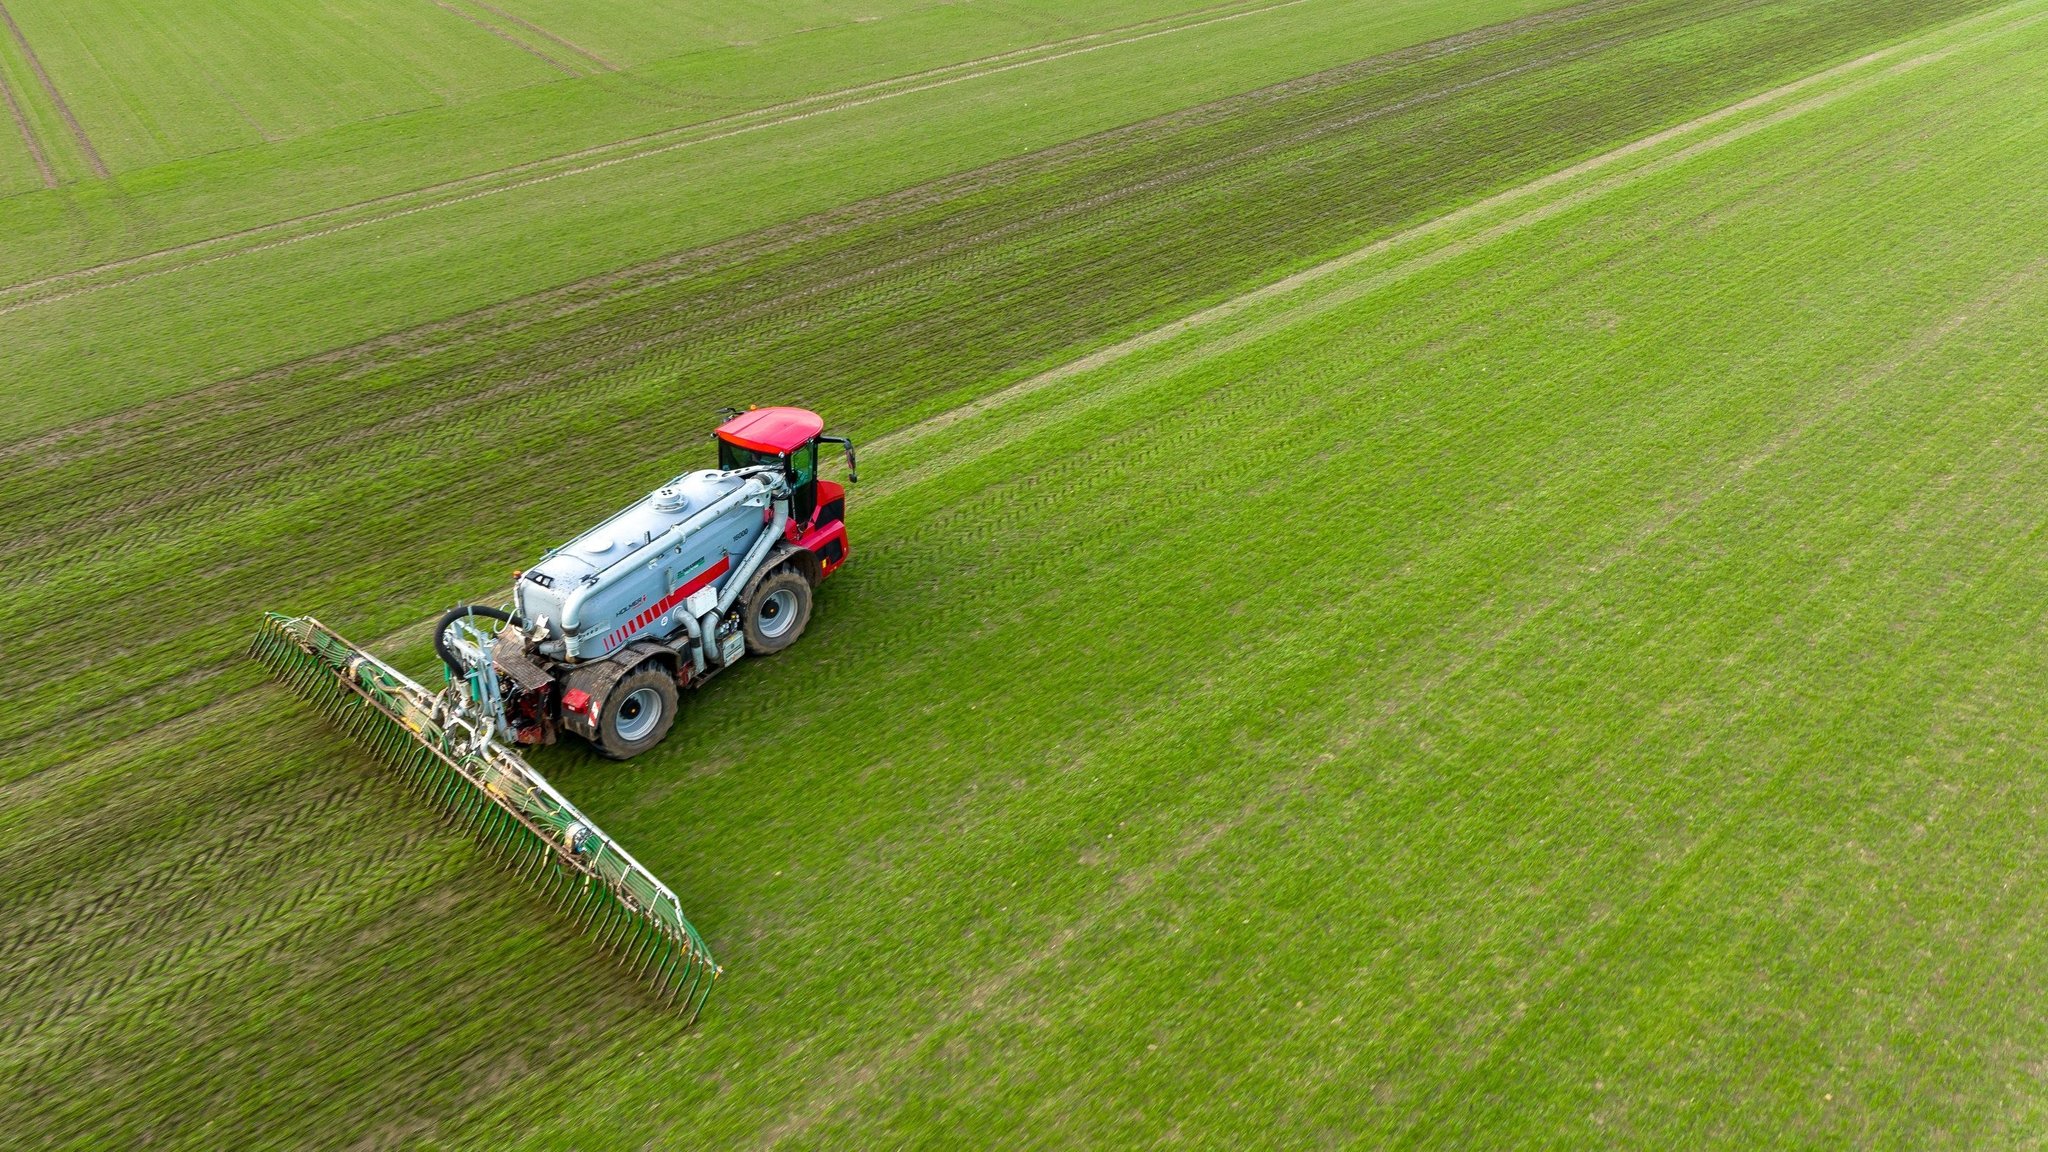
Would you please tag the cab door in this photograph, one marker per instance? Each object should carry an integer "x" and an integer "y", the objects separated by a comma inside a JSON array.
[{"x": 803, "y": 475}]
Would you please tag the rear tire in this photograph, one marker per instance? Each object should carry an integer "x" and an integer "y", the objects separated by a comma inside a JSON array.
[
  {"x": 778, "y": 612},
  {"x": 638, "y": 713}
]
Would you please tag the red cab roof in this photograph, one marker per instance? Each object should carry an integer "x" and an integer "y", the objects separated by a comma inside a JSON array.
[{"x": 776, "y": 430}]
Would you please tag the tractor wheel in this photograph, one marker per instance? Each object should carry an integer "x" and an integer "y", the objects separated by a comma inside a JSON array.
[
  {"x": 638, "y": 713},
  {"x": 778, "y": 611}
]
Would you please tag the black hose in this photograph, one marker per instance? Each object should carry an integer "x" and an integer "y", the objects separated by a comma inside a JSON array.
[{"x": 459, "y": 612}]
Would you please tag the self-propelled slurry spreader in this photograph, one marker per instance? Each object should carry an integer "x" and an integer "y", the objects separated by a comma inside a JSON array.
[{"x": 599, "y": 639}]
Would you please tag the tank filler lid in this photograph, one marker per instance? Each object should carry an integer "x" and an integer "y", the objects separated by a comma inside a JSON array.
[
  {"x": 671, "y": 498},
  {"x": 776, "y": 430}
]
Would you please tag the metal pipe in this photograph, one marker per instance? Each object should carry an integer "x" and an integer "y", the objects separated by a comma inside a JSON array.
[
  {"x": 696, "y": 632},
  {"x": 737, "y": 582}
]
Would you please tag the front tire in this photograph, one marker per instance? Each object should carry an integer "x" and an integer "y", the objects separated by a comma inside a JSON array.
[
  {"x": 638, "y": 713},
  {"x": 778, "y": 612}
]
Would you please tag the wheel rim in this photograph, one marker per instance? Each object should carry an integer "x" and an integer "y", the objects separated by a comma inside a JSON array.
[
  {"x": 778, "y": 613},
  {"x": 638, "y": 714}
]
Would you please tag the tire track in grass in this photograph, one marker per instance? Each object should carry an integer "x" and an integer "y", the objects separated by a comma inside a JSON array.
[
  {"x": 601, "y": 290},
  {"x": 842, "y": 1084},
  {"x": 726, "y": 257},
  {"x": 1309, "y": 277},
  {"x": 378, "y": 210},
  {"x": 1930, "y": 338},
  {"x": 1437, "y": 684},
  {"x": 507, "y": 37},
  {"x": 92, "y": 156},
  {"x": 28, "y": 135},
  {"x": 1139, "y": 883},
  {"x": 2000, "y": 295},
  {"x": 537, "y": 30}
]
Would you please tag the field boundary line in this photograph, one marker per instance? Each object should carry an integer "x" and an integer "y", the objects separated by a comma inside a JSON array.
[
  {"x": 35, "y": 63},
  {"x": 28, "y": 136},
  {"x": 659, "y": 142},
  {"x": 1475, "y": 212}
]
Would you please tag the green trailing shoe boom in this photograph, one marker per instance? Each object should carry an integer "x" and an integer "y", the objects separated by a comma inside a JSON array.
[{"x": 479, "y": 783}]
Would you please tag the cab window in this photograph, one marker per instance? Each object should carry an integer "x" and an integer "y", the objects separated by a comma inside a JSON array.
[
  {"x": 731, "y": 456},
  {"x": 801, "y": 466},
  {"x": 804, "y": 464}
]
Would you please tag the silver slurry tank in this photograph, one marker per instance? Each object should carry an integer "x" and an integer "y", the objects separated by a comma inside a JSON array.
[{"x": 626, "y": 578}]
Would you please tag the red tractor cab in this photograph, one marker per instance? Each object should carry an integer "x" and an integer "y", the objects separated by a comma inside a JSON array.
[{"x": 790, "y": 437}]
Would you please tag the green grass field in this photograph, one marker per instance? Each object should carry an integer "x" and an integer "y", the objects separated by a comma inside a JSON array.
[
  {"x": 315, "y": 243},
  {"x": 1454, "y": 579}
]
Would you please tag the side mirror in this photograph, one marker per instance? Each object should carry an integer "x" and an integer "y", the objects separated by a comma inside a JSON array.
[{"x": 852, "y": 476}]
